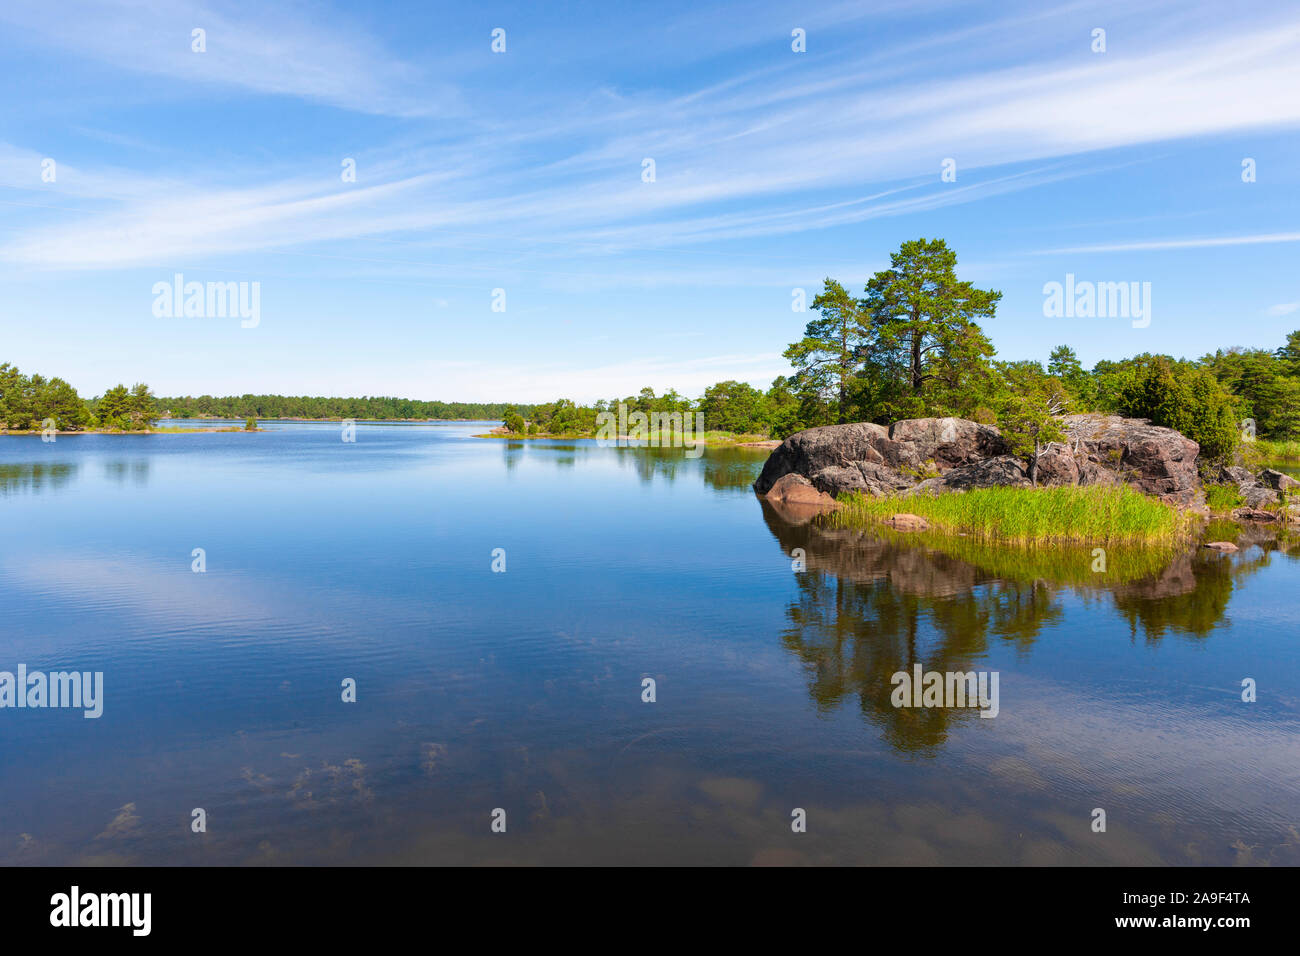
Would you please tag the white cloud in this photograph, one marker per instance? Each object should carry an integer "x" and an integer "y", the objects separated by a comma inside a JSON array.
[
  {"x": 1156, "y": 245},
  {"x": 264, "y": 48},
  {"x": 759, "y": 157}
]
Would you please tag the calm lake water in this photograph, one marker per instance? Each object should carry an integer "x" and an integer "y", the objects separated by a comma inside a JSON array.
[{"x": 522, "y": 690}]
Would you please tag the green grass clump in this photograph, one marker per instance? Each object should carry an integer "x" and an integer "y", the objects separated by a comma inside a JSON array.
[
  {"x": 1222, "y": 498},
  {"x": 732, "y": 438},
  {"x": 1031, "y": 516}
]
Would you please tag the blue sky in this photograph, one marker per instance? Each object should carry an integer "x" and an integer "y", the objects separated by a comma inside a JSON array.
[{"x": 522, "y": 171}]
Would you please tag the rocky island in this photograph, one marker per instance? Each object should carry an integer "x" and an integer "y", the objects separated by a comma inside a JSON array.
[{"x": 813, "y": 469}]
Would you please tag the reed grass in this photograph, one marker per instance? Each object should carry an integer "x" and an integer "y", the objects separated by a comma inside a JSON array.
[
  {"x": 1093, "y": 514},
  {"x": 1223, "y": 498},
  {"x": 1262, "y": 450}
]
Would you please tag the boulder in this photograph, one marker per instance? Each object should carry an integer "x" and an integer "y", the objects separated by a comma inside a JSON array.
[
  {"x": 1057, "y": 466},
  {"x": 815, "y": 449},
  {"x": 795, "y": 499},
  {"x": 799, "y": 491},
  {"x": 903, "y": 521},
  {"x": 877, "y": 460},
  {"x": 868, "y": 477},
  {"x": 1157, "y": 461},
  {"x": 1258, "y": 496},
  {"x": 1235, "y": 475},
  {"x": 1224, "y": 546},
  {"x": 1278, "y": 480},
  {"x": 1254, "y": 514},
  {"x": 1094, "y": 473},
  {"x": 1001, "y": 472},
  {"x": 1258, "y": 491},
  {"x": 948, "y": 442}
]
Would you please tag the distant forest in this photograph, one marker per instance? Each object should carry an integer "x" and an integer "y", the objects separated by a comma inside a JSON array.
[
  {"x": 306, "y": 406},
  {"x": 31, "y": 402}
]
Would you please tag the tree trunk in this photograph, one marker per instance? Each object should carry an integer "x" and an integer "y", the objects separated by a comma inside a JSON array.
[
  {"x": 916, "y": 363},
  {"x": 844, "y": 370}
]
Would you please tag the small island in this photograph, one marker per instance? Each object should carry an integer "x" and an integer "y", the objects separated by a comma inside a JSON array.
[{"x": 915, "y": 426}]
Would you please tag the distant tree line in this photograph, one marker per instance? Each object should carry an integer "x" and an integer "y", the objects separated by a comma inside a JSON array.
[
  {"x": 375, "y": 408},
  {"x": 26, "y": 402}
]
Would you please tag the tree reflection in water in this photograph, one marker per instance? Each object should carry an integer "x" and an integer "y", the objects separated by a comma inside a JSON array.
[
  {"x": 871, "y": 604},
  {"x": 34, "y": 478}
]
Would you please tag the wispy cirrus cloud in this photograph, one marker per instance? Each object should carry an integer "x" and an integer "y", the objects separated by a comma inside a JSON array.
[
  {"x": 755, "y": 157},
  {"x": 262, "y": 48},
  {"x": 1160, "y": 245}
]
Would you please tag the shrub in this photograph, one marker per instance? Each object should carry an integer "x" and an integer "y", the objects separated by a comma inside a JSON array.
[{"x": 1187, "y": 399}]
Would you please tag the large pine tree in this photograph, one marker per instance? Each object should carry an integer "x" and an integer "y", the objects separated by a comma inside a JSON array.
[{"x": 926, "y": 335}]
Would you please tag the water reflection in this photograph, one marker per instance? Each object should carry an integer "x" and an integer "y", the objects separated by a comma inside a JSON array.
[
  {"x": 34, "y": 478},
  {"x": 733, "y": 469},
  {"x": 1190, "y": 596},
  {"x": 724, "y": 468},
  {"x": 870, "y": 605},
  {"x": 119, "y": 470},
  {"x": 37, "y": 477}
]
